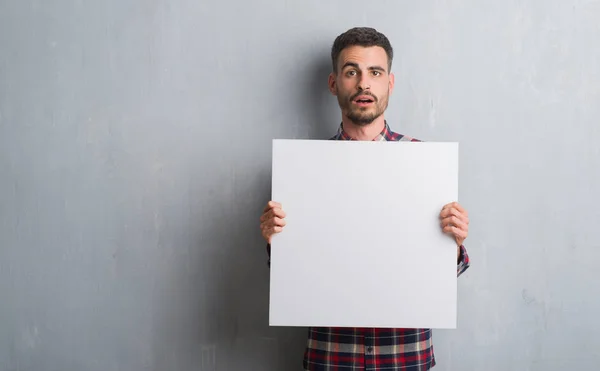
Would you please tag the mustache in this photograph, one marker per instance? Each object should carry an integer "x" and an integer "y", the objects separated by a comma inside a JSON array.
[{"x": 352, "y": 98}]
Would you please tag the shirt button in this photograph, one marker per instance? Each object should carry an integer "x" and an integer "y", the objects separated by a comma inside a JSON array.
[{"x": 370, "y": 350}]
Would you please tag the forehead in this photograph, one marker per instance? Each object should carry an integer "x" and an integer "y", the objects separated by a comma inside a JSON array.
[{"x": 364, "y": 57}]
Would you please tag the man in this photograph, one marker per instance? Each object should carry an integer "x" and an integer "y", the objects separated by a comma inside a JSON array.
[{"x": 362, "y": 81}]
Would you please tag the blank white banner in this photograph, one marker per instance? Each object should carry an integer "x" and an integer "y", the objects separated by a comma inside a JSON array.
[{"x": 363, "y": 245}]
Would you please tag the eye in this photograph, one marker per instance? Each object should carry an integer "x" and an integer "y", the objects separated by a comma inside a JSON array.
[
  {"x": 376, "y": 73},
  {"x": 351, "y": 73}
]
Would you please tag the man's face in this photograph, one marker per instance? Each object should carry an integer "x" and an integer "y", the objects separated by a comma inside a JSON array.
[{"x": 362, "y": 83}]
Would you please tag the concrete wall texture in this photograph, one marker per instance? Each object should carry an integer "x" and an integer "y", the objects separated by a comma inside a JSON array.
[{"x": 135, "y": 144}]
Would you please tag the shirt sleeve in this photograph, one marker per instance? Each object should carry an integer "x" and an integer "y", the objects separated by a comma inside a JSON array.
[
  {"x": 463, "y": 261},
  {"x": 269, "y": 255}
]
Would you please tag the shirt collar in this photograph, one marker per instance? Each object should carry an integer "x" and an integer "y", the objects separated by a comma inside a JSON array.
[{"x": 384, "y": 135}]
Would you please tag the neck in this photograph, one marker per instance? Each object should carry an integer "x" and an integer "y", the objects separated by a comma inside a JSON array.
[{"x": 366, "y": 132}]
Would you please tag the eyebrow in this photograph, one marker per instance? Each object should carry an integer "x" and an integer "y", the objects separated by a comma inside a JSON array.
[{"x": 372, "y": 68}]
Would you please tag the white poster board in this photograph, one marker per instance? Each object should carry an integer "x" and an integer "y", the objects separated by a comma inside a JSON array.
[{"x": 363, "y": 245}]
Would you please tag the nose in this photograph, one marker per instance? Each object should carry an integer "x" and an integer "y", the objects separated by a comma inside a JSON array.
[{"x": 363, "y": 83}]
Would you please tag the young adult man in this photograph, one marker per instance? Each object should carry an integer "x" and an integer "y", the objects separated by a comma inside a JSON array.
[{"x": 362, "y": 82}]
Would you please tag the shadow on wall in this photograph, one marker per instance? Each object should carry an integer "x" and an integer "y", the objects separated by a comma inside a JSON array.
[
  {"x": 211, "y": 303},
  {"x": 241, "y": 289},
  {"x": 323, "y": 112},
  {"x": 212, "y": 300}
]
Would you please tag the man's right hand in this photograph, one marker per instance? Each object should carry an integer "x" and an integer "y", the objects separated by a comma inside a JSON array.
[{"x": 272, "y": 220}]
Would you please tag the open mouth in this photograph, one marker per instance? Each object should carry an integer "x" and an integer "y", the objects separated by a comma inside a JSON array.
[{"x": 364, "y": 100}]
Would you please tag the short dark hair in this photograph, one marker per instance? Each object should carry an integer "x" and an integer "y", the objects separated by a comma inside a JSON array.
[{"x": 360, "y": 36}]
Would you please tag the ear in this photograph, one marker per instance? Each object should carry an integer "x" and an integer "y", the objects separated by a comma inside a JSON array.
[
  {"x": 392, "y": 80},
  {"x": 331, "y": 83}
]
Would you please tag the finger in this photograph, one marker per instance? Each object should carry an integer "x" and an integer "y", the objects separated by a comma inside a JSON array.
[
  {"x": 270, "y": 230},
  {"x": 453, "y": 212},
  {"x": 268, "y": 214},
  {"x": 455, "y": 205},
  {"x": 454, "y": 221},
  {"x": 273, "y": 222},
  {"x": 267, "y": 234},
  {"x": 271, "y": 205},
  {"x": 263, "y": 217},
  {"x": 460, "y": 233},
  {"x": 448, "y": 205},
  {"x": 449, "y": 212},
  {"x": 455, "y": 231},
  {"x": 459, "y": 207},
  {"x": 278, "y": 222},
  {"x": 276, "y": 212}
]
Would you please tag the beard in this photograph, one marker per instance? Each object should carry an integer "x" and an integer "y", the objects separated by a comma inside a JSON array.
[{"x": 362, "y": 116}]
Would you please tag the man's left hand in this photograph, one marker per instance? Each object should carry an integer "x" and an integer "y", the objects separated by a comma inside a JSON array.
[{"x": 455, "y": 221}]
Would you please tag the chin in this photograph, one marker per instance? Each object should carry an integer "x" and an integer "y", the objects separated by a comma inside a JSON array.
[{"x": 362, "y": 120}]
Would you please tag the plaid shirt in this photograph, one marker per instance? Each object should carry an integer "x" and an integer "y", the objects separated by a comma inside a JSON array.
[{"x": 374, "y": 349}]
